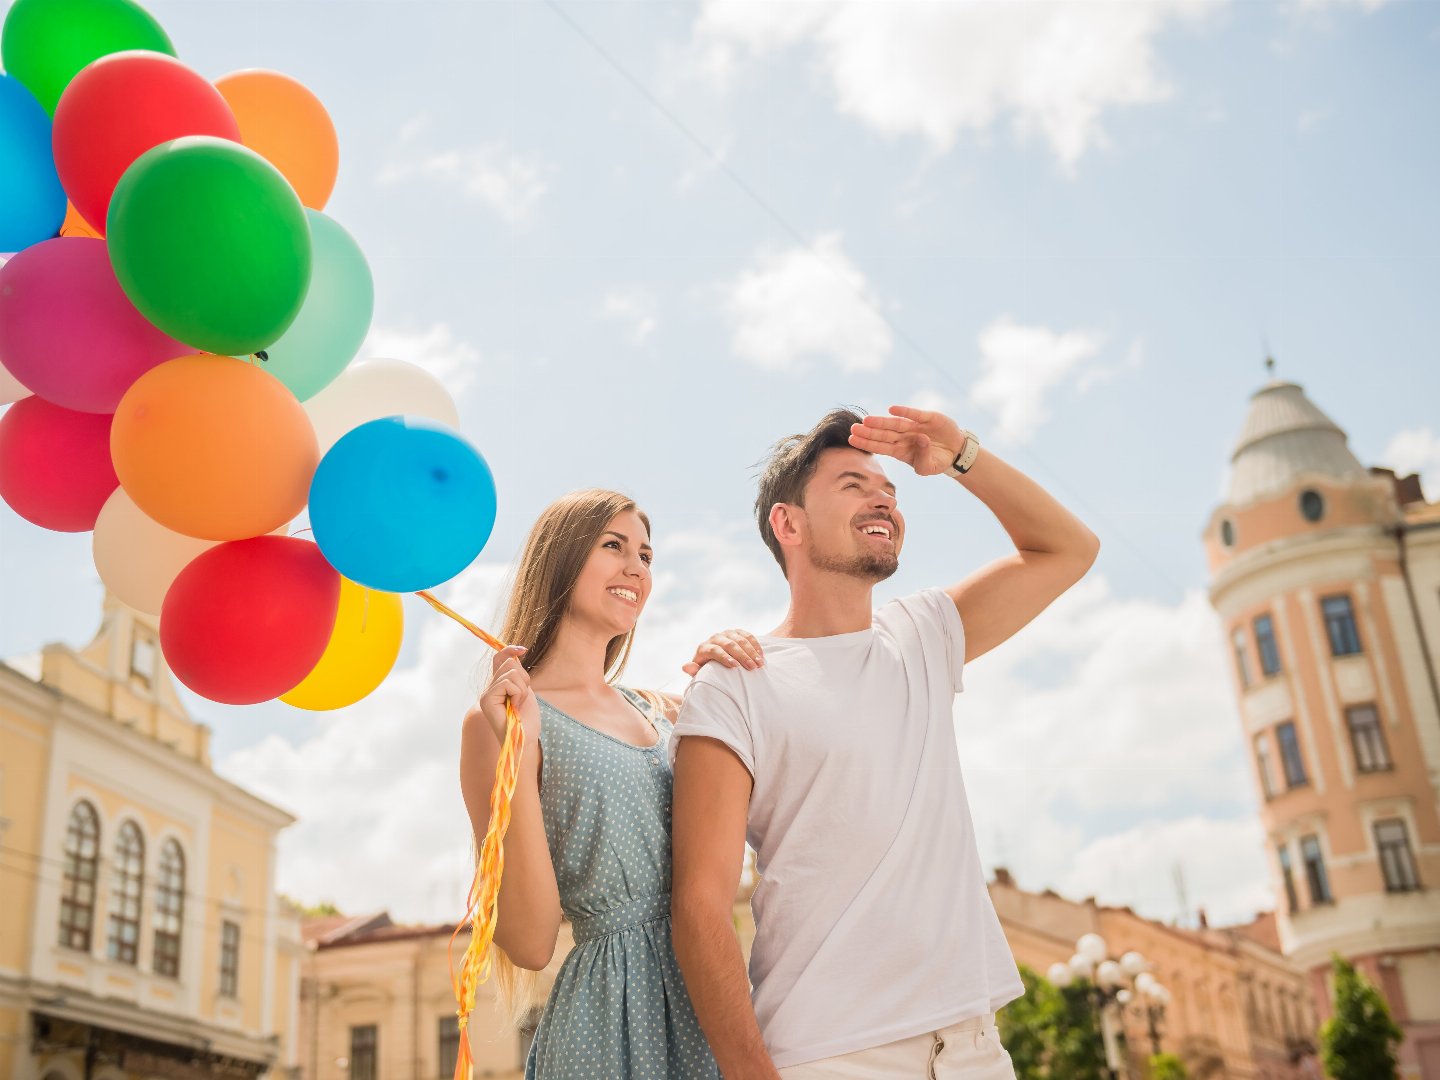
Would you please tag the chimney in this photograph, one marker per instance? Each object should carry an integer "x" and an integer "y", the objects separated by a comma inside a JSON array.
[
  {"x": 1204, "y": 922},
  {"x": 1407, "y": 488},
  {"x": 1002, "y": 877}
]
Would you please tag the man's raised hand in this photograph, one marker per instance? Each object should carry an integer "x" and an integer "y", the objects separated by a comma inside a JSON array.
[{"x": 926, "y": 441}]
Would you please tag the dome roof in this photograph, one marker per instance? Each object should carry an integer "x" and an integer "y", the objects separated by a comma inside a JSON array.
[{"x": 1286, "y": 436}]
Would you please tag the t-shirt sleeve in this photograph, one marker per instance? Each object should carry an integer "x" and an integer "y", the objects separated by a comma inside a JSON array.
[
  {"x": 710, "y": 711},
  {"x": 940, "y": 616}
]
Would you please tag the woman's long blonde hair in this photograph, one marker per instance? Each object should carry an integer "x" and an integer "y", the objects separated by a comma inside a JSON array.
[{"x": 555, "y": 552}]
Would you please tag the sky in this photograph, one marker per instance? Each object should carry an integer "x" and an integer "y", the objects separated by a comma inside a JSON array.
[{"x": 640, "y": 241}]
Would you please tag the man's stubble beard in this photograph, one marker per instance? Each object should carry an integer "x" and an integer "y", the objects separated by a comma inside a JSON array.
[{"x": 873, "y": 567}]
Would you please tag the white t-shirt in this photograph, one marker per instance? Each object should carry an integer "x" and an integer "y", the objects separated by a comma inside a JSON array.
[{"x": 873, "y": 922}]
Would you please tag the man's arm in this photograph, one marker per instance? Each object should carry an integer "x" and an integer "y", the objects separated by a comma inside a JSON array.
[
  {"x": 1053, "y": 548},
  {"x": 712, "y": 800}
]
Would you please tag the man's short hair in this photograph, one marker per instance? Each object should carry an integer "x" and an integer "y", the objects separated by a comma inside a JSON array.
[{"x": 791, "y": 463}]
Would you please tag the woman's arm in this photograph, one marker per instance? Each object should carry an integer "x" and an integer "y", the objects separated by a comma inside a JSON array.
[{"x": 527, "y": 921}]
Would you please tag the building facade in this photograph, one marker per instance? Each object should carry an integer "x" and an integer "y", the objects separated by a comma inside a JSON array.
[
  {"x": 1326, "y": 577},
  {"x": 140, "y": 932}
]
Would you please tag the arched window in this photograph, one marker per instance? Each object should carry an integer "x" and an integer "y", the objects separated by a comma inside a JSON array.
[
  {"x": 169, "y": 908},
  {"x": 126, "y": 888},
  {"x": 77, "y": 898}
]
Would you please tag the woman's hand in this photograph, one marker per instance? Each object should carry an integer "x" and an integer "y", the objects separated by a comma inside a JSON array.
[
  {"x": 733, "y": 648},
  {"x": 508, "y": 678}
]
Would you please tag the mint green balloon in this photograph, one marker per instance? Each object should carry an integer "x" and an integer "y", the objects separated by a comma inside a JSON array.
[
  {"x": 47, "y": 42},
  {"x": 332, "y": 325},
  {"x": 211, "y": 244}
]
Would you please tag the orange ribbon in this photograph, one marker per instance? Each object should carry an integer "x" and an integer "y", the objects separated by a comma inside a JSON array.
[{"x": 484, "y": 894}]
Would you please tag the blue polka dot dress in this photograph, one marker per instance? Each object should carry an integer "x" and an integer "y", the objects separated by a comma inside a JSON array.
[{"x": 619, "y": 1007}]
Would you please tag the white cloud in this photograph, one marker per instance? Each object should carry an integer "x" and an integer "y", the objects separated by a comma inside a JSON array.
[
  {"x": 1049, "y": 67},
  {"x": 1416, "y": 450},
  {"x": 790, "y": 307},
  {"x": 1020, "y": 366},
  {"x": 636, "y": 308},
  {"x": 454, "y": 362},
  {"x": 509, "y": 183}
]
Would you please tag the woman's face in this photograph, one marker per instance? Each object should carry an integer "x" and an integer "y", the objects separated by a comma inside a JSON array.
[{"x": 612, "y": 588}]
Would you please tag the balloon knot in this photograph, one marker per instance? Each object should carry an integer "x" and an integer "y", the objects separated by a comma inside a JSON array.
[{"x": 262, "y": 355}]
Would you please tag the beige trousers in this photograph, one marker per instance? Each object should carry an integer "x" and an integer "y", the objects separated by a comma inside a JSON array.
[{"x": 969, "y": 1050}]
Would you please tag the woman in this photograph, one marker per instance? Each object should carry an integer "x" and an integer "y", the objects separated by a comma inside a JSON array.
[{"x": 589, "y": 834}]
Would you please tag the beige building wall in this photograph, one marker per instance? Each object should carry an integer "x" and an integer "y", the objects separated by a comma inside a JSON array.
[
  {"x": 1304, "y": 522},
  {"x": 103, "y": 726}
]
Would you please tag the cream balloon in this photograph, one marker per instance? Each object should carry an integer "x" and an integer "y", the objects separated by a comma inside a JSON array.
[
  {"x": 372, "y": 389},
  {"x": 137, "y": 557}
]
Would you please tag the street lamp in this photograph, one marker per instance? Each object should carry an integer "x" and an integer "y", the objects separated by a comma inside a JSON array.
[{"x": 1112, "y": 983}]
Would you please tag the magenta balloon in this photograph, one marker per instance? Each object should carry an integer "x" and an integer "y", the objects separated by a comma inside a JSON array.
[{"x": 67, "y": 331}]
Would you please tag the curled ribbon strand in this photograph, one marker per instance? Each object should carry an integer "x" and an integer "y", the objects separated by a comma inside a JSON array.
[{"x": 484, "y": 892}]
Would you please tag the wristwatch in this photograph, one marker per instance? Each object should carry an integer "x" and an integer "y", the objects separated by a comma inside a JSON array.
[{"x": 969, "y": 451}]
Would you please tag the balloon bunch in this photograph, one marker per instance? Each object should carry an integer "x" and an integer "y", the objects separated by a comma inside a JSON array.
[{"x": 177, "y": 325}]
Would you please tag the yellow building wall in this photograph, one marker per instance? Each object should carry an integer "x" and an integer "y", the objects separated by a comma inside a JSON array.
[
  {"x": 24, "y": 766},
  {"x": 238, "y": 880}
]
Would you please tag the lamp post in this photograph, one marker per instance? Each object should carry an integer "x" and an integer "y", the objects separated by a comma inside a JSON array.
[{"x": 1112, "y": 985}]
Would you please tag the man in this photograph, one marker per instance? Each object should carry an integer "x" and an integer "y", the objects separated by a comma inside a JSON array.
[{"x": 877, "y": 951}]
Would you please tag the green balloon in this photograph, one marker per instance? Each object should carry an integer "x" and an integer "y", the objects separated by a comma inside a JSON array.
[
  {"x": 46, "y": 42},
  {"x": 331, "y": 327},
  {"x": 210, "y": 243}
]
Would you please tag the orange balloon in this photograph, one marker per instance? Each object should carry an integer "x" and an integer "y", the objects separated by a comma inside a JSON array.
[
  {"x": 285, "y": 124},
  {"x": 214, "y": 447},
  {"x": 75, "y": 225}
]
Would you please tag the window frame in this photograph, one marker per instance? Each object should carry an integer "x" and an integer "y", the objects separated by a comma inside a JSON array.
[
  {"x": 1338, "y": 625},
  {"x": 1296, "y": 777},
  {"x": 1241, "y": 646},
  {"x": 81, "y": 874},
  {"x": 168, "y": 918},
  {"x": 368, "y": 1046},
  {"x": 1287, "y": 876},
  {"x": 229, "y": 959},
  {"x": 1264, "y": 764},
  {"x": 1270, "y": 665},
  {"x": 127, "y": 895},
  {"x": 1408, "y": 872},
  {"x": 1375, "y": 730},
  {"x": 1317, "y": 881},
  {"x": 448, "y": 1044}
]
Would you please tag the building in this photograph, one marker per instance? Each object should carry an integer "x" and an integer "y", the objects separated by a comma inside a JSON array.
[
  {"x": 1326, "y": 577},
  {"x": 1239, "y": 1009},
  {"x": 140, "y": 932},
  {"x": 376, "y": 1001}
]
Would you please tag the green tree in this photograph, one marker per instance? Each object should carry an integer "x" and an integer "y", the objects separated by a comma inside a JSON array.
[
  {"x": 1359, "y": 1041},
  {"x": 1167, "y": 1067},
  {"x": 1052, "y": 1034}
]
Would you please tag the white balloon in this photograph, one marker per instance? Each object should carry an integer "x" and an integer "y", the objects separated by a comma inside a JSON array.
[
  {"x": 138, "y": 558},
  {"x": 372, "y": 389}
]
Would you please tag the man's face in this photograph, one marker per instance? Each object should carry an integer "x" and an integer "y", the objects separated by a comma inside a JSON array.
[{"x": 853, "y": 524}]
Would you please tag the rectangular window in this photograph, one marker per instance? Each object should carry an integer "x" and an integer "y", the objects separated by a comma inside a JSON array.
[
  {"x": 1265, "y": 642},
  {"x": 229, "y": 959},
  {"x": 1242, "y": 658},
  {"x": 142, "y": 658},
  {"x": 449, "y": 1045},
  {"x": 1397, "y": 862},
  {"x": 1340, "y": 625},
  {"x": 1315, "y": 877},
  {"x": 1287, "y": 872},
  {"x": 1290, "y": 754},
  {"x": 1368, "y": 738},
  {"x": 1265, "y": 766},
  {"x": 364, "y": 1052}
]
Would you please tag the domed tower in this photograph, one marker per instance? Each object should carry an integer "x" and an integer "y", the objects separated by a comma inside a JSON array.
[{"x": 1326, "y": 576}]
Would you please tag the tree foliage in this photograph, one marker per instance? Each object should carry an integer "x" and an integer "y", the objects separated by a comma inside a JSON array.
[
  {"x": 1167, "y": 1067},
  {"x": 1052, "y": 1034},
  {"x": 1359, "y": 1041}
]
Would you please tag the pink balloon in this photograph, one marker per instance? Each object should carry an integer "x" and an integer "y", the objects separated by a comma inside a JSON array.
[
  {"x": 55, "y": 465},
  {"x": 67, "y": 330}
]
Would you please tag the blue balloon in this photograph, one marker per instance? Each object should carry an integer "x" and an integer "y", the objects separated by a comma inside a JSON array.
[
  {"x": 402, "y": 504},
  {"x": 32, "y": 202}
]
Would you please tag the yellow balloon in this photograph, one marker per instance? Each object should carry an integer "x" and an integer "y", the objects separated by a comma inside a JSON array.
[{"x": 362, "y": 650}]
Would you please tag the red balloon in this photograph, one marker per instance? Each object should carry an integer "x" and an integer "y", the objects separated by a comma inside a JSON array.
[
  {"x": 55, "y": 465},
  {"x": 121, "y": 106},
  {"x": 247, "y": 620}
]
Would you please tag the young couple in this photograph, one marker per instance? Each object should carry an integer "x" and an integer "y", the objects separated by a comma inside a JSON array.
[{"x": 877, "y": 952}]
